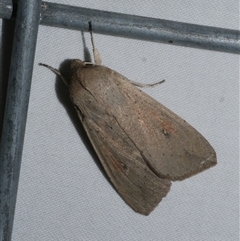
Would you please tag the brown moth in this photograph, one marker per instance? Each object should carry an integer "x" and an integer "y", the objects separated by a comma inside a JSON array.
[{"x": 142, "y": 145}]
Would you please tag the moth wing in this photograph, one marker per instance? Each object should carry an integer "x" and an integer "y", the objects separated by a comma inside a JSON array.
[
  {"x": 171, "y": 147},
  {"x": 141, "y": 188},
  {"x": 168, "y": 145}
]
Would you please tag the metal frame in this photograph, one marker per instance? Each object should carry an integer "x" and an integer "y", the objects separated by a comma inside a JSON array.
[
  {"x": 28, "y": 16},
  {"x": 131, "y": 26},
  {"x": 19, "y": 83}
]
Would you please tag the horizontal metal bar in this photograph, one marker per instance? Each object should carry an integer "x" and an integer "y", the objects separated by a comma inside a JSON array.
[
  {"x": 158, "y": 30},
  {"x": 19, "y": 82},
  {"x": 151, "y": 29}
]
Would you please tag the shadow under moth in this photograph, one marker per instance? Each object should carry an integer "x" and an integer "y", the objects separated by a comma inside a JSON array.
[{"x": 141, "y": 144}]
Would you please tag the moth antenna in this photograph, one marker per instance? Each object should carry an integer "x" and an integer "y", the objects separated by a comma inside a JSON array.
[
  {"x": 56, "y": 72},
  {"x": 96, "y": 54}
]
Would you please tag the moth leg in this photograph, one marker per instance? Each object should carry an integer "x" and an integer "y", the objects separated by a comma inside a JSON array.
[
  {"x": 65, "y": 80},
  {"x": 146, "y": 85},
  {"x": 89, "y": 63},
  {"x": 96, "y": 54}
]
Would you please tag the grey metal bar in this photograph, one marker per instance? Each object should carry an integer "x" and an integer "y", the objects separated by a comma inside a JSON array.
[
  {"x": 27, "y": 21},
  {"x": 6, "y": 9},
  {"x": 158, "y": 30}
]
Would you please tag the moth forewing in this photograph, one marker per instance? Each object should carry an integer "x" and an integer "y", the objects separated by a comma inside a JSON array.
[
  {"x": 141, "y": 144},
  {"x": 141, "y": 188},
  {"x": 171, "y": 148}
]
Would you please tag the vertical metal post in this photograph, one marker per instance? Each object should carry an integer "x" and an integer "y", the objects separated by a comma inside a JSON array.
[
  {"x": 19, "y": 83},
  {"x": 6, "y": 9}
]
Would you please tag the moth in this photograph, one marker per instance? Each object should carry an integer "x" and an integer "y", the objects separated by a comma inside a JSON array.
[{"x": 142, "y": 145}]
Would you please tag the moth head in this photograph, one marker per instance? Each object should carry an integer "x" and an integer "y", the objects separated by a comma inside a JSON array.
[{"x": 77, "y": 63}]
